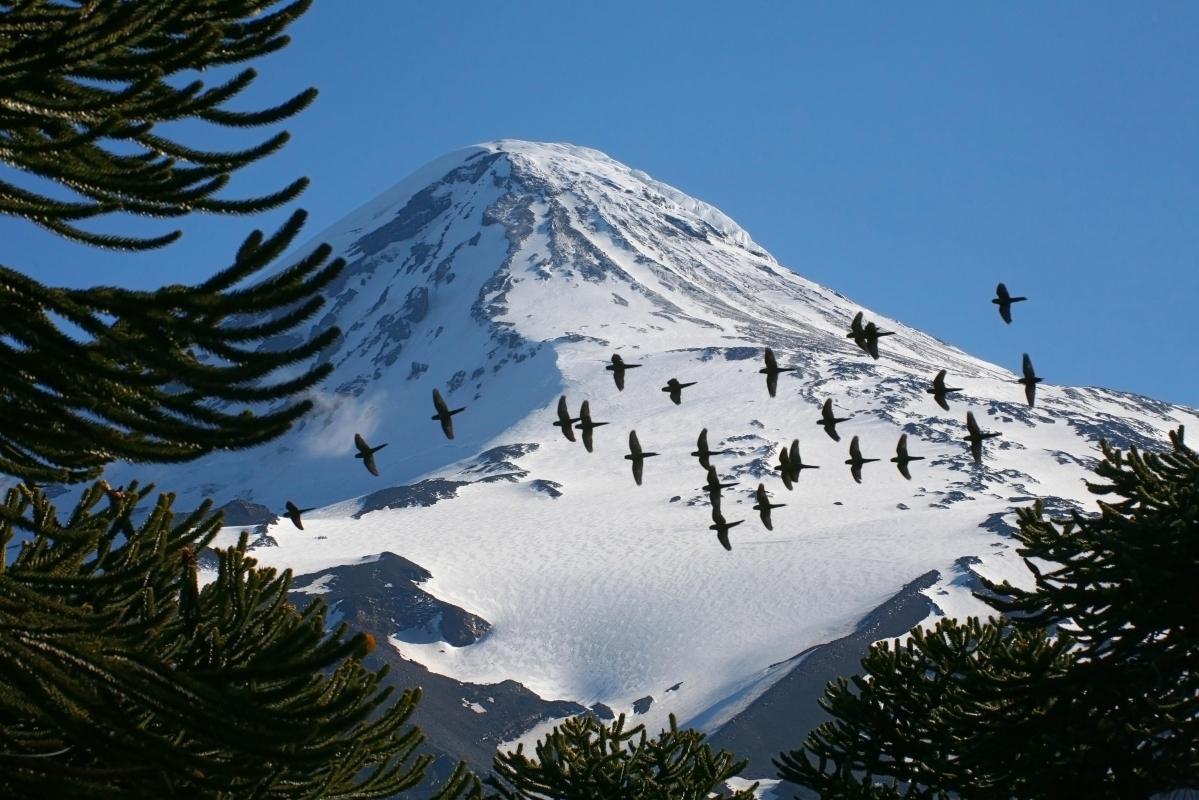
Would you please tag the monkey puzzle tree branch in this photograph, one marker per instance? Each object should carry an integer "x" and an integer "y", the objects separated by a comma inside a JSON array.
[
  {"x": 166, "y": 375},
  {"x": 83, "y": 86}
]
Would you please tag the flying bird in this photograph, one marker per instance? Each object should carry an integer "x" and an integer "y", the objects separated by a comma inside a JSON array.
[
  {"x": 702, "y": 452},
  {"x": 617, "y": 367},
  {"x": 871, "y": 333},
  {"x": 855, "y": 460},
  {"x": 713, "y": 487},
  {"x": 784, "y": 467},
  {"x": 586, "y": 425},
  {"x": 764, "y": 506},
  {"x": 116, "y": 497},
  {"x": 367, "y": 453},
  {"x": 829, "y": 422},
  {"x": 940, "y": 390},
  {"x": 902, "y": 459},
  {"x": 858, "y": 333},
  {"x": 1030, "y": 381},
  {"x": 796, "y": 463},
  {"x": 294, "y": 512},
  {"x": 676, "y": 389},
  {"x": 772, "y": 372},
  {"x": 637, "y": 456},
  {"x": 445, "y": 414},
  {"x": 1004, "y": 301},
  {"x": 565, "y": 421},
  {"x": 722, "y": 527},
  {"x": 976, "y": 437}
]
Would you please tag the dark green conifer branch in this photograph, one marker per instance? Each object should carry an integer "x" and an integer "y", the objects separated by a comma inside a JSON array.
[
  {"x": 147, "y": 385},
  {"x": 83, "y": 85},
  {"x": 123, "y": 678},
  {"x": 1087, "y": 688},
  {"x": 584, "y": 759},
  {"x": 936, "y": 717},
  {"x": 120, "y": 675}
]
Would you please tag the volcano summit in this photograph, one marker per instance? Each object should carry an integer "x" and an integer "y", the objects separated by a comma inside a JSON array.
[{"x": 506, "y": 275}]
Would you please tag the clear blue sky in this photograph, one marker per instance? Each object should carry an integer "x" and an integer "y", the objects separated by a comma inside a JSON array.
[{"x": 907, "y": 155}]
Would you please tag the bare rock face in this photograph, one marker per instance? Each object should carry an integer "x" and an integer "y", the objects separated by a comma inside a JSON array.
[
  {"x": 460, "y": 720},
  {"x": 384, "y": 596}
]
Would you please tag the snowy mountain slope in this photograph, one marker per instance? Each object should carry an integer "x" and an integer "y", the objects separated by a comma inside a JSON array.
[{"x": 505, "y": 275}]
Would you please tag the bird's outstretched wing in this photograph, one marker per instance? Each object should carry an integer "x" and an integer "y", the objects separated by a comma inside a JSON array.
[
  {"x": 901, "y": 457},
  {"x": 972, "y": 425},
  {"x": 565, "y": 422}
]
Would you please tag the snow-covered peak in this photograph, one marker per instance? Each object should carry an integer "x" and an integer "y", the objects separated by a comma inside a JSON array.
[
  {"x": 576, "y": 169},
  {"x": 506, "y": 275},
  {"x": 558, "y": 167}
]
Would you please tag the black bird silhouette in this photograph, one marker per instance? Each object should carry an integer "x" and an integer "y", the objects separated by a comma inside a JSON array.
[
  {"x": 294, "y": 512},
  {"x": 772, "y": 371},
  {"x": 1004, "y": 301},
  {"x": 871, "y": 333},
  {"x": 829, "y": 422},
  {"x": 713, "y": 487},
  {"x": 116, "y": 497},
  {"x": 902, "y": 458},
  {"x": 976, "y": 437},
  {"x": 367, "y": 453},
  {"x": 565, "y": 421},
  {"x": 586, "y": 425},
  {"x": 858, "y": 333},
  {"x": 637, "y": 456},
  {"x": 855, "y": 460},
  {"x": 940, "y": 390},
  {"x": 676, "y": 389},
  {"x": 445, "y": 414},
  {"x": 784, "y": 467},
  {"x": 617, "y": 368},
  {"x": 722, "y": 527},
  {"x": 1030, "y": 381},
  {"x": 764, "y": 505},
  {"x": 796, "y": 463},
  {"x": 702, "y": 452}
]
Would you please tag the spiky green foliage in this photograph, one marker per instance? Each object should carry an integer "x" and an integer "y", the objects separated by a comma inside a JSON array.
[
  {"x": 584, "y": 759},
  {"x": 119, "y": 675},
  {"x": 145, "y": 384},
  {"x": 172, "y": 374},
  {"x": 123, "y": 678},
  {"x": 936, "y": 715},
  {"x": 1124, "y": 584},
  {"x": 85, "y": 83},
  {"x": 1088, "y": 687}
]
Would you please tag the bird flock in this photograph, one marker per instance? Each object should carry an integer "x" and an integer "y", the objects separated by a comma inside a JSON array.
[{"x": 865, "y": 335}]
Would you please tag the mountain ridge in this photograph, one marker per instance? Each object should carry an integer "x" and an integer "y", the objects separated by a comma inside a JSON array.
[{"x": 505, "y": 276}]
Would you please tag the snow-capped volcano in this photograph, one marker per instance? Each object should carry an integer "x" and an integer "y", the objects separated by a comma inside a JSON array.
[{"x": 506, "y": 275}]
